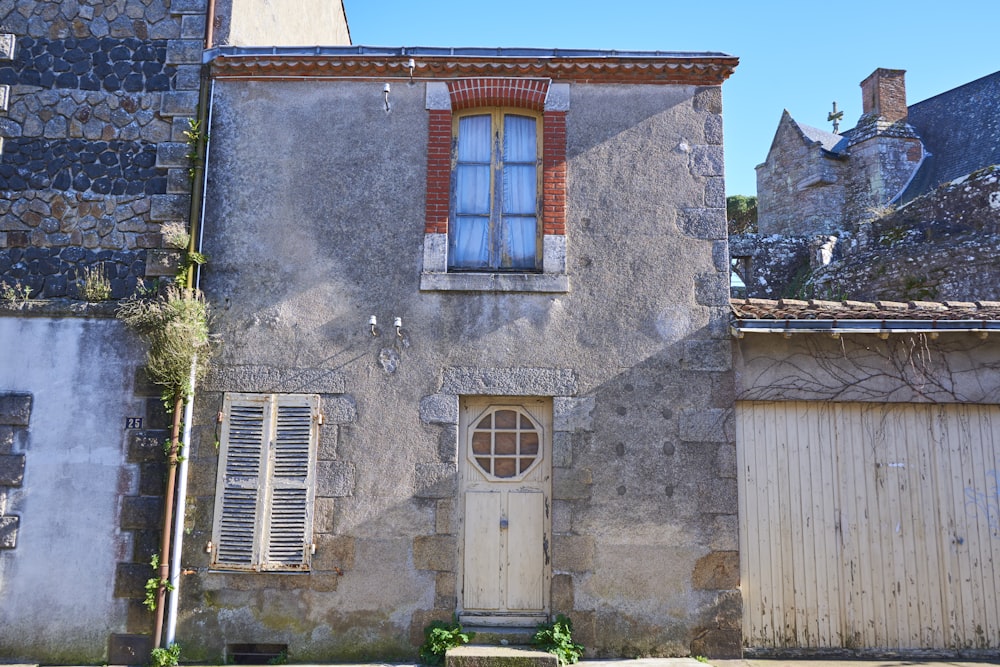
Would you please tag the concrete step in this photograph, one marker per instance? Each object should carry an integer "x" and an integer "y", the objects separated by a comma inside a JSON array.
[
  {"x": 479, "y": 655},
  {"x": 501, "y": 636}
]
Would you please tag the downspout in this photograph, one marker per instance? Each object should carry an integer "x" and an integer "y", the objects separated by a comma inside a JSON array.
[{"x": 196, "y": 215}]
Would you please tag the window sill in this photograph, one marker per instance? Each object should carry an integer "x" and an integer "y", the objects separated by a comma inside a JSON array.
[{"x": 494, "y": 282}]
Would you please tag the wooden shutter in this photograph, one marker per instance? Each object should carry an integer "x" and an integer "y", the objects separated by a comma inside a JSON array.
[
  {"x": 263, "y": 517},
  {"x": 289, "y": 530},
  {"x": 241, "y": 466}
]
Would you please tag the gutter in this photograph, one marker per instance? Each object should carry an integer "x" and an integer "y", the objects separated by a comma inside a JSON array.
[{"x": 881, "y": 328}]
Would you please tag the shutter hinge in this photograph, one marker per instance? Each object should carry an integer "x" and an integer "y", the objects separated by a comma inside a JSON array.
[
  {"x": 219, "y": 418},
  {"x": 312, "y": 549},
  {"x": 319, "y": 419}
]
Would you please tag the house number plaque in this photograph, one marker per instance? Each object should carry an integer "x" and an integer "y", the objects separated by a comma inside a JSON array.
[{"x": 133, "y": 423}]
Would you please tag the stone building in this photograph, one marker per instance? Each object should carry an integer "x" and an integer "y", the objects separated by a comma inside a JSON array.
[
  {"x": 510, "y": 405},
  {"x": 839, "y": 214},
  {"x": 501, "y": 404}
]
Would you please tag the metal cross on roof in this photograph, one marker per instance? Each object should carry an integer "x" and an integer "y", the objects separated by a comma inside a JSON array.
[{"x": 835, "y": 117}]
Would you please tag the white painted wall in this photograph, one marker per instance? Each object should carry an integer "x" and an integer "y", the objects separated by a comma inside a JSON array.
[
  {"x": 287, "y": 23},
  {"x": 56, "y": 586}
]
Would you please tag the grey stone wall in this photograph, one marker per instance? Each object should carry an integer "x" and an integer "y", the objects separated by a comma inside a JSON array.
[
  {"x": 800, "y": 189},
  {"x": 15, "y": 415},
  {"x": 941, "y": 246},
  {"x": 96, "y": 98},
  {"x": 635, "y": 358}
]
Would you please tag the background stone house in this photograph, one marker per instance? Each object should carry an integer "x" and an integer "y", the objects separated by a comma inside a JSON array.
[{"x": 904, "y": 205}]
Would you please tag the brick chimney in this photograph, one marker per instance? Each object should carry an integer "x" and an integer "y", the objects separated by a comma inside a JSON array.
[{"x": 883, "y": 94}]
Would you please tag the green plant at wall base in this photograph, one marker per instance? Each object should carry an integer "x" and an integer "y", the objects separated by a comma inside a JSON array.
[
  {"x": 165, "y": 657},
  {"x": 557, "y": 637},
  {"x": 95, "y": 285},
  {"x": 440, "y": 636},
  {"x": 15, "y": 292},
  {"x": 153, "y": 585}
]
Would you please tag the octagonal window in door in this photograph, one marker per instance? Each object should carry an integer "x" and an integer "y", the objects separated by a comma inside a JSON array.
[{"x": 505, "y": 442}]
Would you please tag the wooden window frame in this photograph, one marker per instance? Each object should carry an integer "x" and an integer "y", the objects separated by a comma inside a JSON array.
[
  {"x": 445, "y": 99},
  {"x": 496, "y": 245},
  {"x": 254, "y": 496}
]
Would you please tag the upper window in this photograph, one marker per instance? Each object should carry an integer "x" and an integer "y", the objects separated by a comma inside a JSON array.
[
  {"x": 495, "y": 193},
  {"x": 264, "y": 498}
]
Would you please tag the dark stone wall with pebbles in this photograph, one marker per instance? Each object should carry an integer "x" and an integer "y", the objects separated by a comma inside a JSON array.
[
  {"x": 103, "y": 167},
  {"x": 94, "y": 100},
  {"x": 91, "y": 64},
  {"x": 58, "y": 272}
]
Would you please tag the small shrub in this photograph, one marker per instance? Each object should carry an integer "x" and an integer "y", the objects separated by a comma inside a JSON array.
[
  {"x": 557, "y": 637},
  {"x": 95, "y": 285},
  {"x": 153, "y": 585},
  {"x": 15, "y": 292},
  {"x": 440, "y": 636},
  {"x": 165, "y": 657}
]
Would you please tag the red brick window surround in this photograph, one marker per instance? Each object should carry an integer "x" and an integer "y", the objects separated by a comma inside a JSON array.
[
  {"x": 511, "y": 93},
  {"x": 446, "y": 102}
]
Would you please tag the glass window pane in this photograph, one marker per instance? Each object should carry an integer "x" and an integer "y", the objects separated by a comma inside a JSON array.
[
  {"x": 472, "y": 189},
  {"x": 504, "y": 467},
  {"x": 505, "y": 419},
  {"x": 506, "y": 443},
  {"x": 519, "y": 243},
  {"x": 474, "y": 138},
  {"x": 481, "y": 443},
  {"x": 519, "y": 189},
  {"x": 529, "y": 443},
  {"x": 519, "y": 139},
  {"x": 469, "y": 246},
  {"x": 485, "y": 465}
]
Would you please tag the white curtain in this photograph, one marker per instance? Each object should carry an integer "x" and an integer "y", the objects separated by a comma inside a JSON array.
[
  {"x": 470, "y": 239},
  {"x": 515, "y": 240},
  {"x": 519, "y": 190}
]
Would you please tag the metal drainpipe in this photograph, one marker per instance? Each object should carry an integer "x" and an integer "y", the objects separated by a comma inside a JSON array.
[{"x": 196, "y": 214}]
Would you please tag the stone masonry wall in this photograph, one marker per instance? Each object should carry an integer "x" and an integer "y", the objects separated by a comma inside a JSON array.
[
  {"x": 941, "y": 246},
  {"x": 800, "y": 189},
  {"x": 94, "y": 102},
  {"x": 15, "y": 413}
]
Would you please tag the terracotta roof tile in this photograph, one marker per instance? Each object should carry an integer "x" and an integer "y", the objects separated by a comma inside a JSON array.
[{"x": 792, "y": 309}]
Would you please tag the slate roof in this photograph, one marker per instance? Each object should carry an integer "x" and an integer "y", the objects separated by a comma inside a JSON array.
[
  {"x": 829, "y": 142},
  {"x": 961, "y": 129},
  {"x": 862, "y": 316}
]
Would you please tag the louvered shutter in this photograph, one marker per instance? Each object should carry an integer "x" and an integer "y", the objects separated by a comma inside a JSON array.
[
  {"x": 288, "y": 534},
  {"x": 263, "y": 513},
  {"x": 242, "y": 469}
]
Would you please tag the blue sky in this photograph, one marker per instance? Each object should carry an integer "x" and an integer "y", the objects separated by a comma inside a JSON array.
[{"x": 796, "y": 55}]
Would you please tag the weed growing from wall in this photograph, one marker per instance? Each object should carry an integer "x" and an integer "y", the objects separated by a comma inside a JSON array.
[{"x": 557, "y": 637}]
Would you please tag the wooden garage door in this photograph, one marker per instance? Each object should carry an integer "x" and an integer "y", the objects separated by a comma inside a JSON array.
[{"x": 869, "y": 525}]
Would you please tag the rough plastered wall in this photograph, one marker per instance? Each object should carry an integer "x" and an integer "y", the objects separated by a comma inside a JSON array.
[
  {"x": 800, "y": 189},
  {"x": 94, "y": 100},
  {"x": 79, "y": 491},
  {"x": 316, "y": 227}
]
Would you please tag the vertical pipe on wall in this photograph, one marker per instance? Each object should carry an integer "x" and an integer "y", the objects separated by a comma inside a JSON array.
[{"x": 196, "y": 215}]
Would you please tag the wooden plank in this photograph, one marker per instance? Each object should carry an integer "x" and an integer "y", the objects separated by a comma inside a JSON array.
[
  {"x": 482, "y": 550},
  {"x": 524, "y": 550},
  {"x": 988, "y": 529},
  {"x": 747, "y": 513},
  {"x": 828, "y": 546},
  {"x": 772, "y": 612}
]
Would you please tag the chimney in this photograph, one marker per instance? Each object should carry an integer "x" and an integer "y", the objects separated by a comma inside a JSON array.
[{"x": 883, "y": 94}]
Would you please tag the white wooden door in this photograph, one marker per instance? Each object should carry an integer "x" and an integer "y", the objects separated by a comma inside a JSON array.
[
  {"x": 869, "y": 526},
  {"x": 504, "y": 446}
]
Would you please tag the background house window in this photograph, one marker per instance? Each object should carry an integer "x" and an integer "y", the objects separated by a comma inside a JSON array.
[
  {"x": 495, "y": 196},
  {"x": 264, "y": 496}
]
